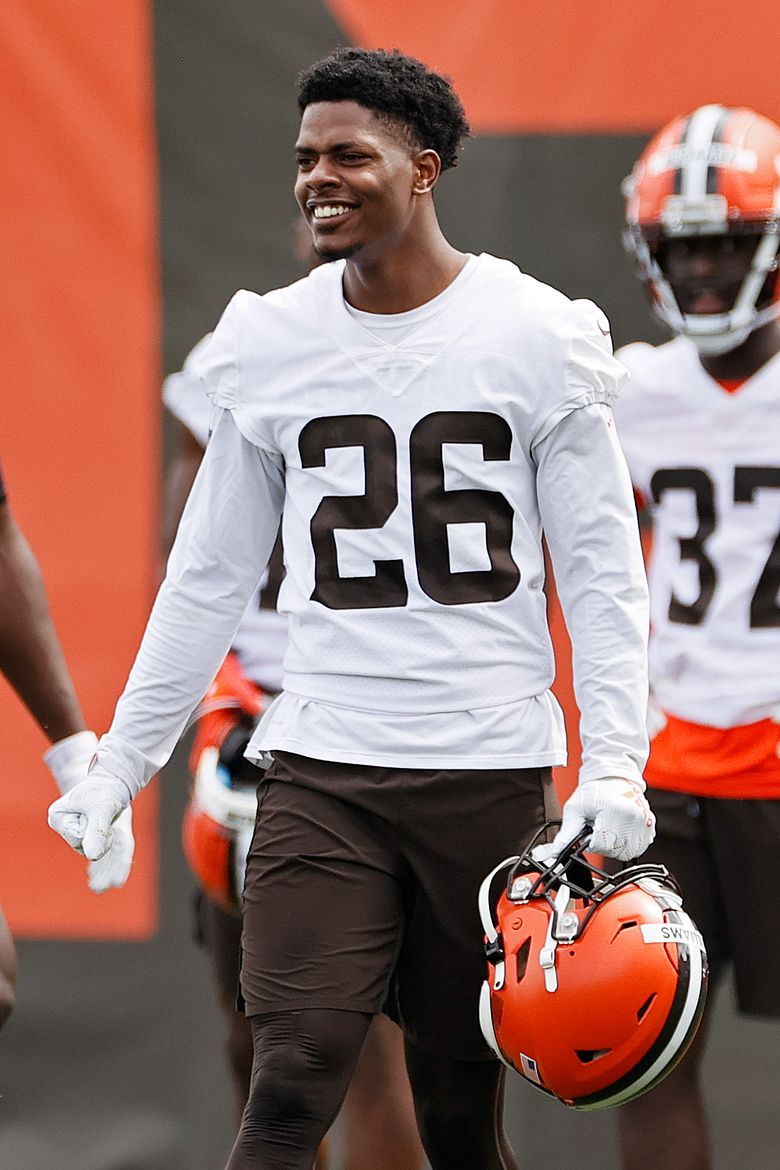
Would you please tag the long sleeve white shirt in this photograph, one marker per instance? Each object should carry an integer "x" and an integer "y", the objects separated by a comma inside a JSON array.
[
  {"x": 414, "y": 461},
  {"x": 225, "y": 539}
]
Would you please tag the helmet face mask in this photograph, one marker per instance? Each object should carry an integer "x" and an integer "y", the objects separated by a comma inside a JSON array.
[
  {"x": 596, "y": 982},
  {"x": 715, "y": 173}
]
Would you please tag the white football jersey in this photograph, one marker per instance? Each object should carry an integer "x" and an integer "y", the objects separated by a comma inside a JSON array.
[
  {"x": 417, "y": 527},
  {"x": 415, "y": 463},
  {"x": 707, "y": 463},
  {"x": 261, "y": 639},
  {"x": 412, "y": 510}
]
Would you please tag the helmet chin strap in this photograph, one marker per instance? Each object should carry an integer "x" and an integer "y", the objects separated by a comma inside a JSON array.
[{"x": 547, "y": 953}]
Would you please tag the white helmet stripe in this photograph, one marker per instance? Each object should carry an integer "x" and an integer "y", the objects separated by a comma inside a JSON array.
[
  {"x": 486, "y": 1023},
  {"x": 698, "y": 142},
  {"x": 684, "y": 1024}
]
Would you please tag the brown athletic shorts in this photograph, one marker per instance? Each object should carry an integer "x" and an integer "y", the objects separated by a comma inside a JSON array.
[
  {"x": 726, "y": 855},
  {"x": 361, "y": 890}
]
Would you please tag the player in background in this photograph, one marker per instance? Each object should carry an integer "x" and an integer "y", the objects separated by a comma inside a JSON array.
[
  {"x": 379, "y": 1130},
  {"x": 700, "y": 426},
  {"x": 32, "y": 661},
  {"x": 416, "y": 415}
]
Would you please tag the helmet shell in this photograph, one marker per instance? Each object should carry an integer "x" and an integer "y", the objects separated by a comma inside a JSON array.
[{"x": 607, "y": 1011}]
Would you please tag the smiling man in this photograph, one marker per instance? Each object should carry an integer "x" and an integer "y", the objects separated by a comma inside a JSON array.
[
  {"x": 701, "y": 429},
  {"x": 416, "y": 416}
]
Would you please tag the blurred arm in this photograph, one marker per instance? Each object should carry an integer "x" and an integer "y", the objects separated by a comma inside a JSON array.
[
  {"x": 30, "y": 654},
  {"x": 7, "y": 970}
]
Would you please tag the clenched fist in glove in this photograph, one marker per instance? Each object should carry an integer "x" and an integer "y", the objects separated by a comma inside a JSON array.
[
  {"x": 622, "y": 822},
  {"x": 93, "y": 814}
]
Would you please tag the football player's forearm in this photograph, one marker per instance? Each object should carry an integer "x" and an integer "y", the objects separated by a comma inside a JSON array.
[
  {"x": 588, "y": 514},
  {"x": 30, "y": 654},
  {"x": 7, "y": 971}
]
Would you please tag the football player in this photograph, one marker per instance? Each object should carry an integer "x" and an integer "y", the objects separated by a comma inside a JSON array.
[
  {"x": 416, "y": 416},
  {"x": 700, "y": 425},
  {"x": 378, "y": 1119}
]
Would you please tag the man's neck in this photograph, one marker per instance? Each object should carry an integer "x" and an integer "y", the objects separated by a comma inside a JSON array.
[
  {"x": 404, "y": 278},
  {"x": 747, "y": 359}
]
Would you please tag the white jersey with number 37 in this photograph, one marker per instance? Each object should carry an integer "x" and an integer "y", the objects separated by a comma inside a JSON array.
[{"x": 707, "y": 463}]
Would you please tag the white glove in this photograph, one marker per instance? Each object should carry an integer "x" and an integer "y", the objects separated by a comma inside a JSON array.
[
  {"x": 113, "y": 869},
  {"x": 68, "y": 761},
  {"x": 622, "y": 822},
  {"x": 86, "y": 816}
]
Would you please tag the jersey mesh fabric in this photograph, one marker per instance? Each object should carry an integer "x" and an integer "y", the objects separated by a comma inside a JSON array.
[{"x": 442, "y": 473}]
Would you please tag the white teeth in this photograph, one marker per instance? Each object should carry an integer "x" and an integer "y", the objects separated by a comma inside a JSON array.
[{"x": 328, "y": 210}]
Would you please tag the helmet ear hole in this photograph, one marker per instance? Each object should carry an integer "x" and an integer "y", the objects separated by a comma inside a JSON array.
[
  {"x": 588, "y": 1055},
  {"x": 645, "y": 1008},
  {"x": 522, "y": 958},
  {"x": 625, "y": 926}
]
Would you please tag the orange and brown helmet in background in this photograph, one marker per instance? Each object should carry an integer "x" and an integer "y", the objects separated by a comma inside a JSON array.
[
  {"x": 220, "y": 815},
  {"x": 713, "y": 172}
]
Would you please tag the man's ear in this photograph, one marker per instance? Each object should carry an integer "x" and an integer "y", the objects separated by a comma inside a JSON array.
[{"x": 427, "y": 168}]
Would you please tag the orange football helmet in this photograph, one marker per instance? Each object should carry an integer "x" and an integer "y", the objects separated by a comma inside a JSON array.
[
  {"x": 596, "y": 983},
  {"x": 220, "y": 815},
  {"x": 217, "y": 830},
  {"x": 232, "y": 700},
  {"x": 713, "y": 172}
]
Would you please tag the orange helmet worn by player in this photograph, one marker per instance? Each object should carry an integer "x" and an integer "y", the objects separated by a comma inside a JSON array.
[
  {"x": 596, "y": 983},
  {"x": 715, "y": 172}
]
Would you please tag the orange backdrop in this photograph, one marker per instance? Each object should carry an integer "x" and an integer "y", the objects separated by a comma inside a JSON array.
[
  {"x": 80, "y": 308},
  {"x": 79, "y": 421},
  {"x": 568, "y": 66}
]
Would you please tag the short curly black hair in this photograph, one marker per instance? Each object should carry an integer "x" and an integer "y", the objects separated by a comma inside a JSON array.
[{"x": 400, "y": 89}]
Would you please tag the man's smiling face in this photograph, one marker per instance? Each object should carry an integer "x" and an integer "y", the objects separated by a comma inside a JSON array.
[{"x": 355, "y": 179}]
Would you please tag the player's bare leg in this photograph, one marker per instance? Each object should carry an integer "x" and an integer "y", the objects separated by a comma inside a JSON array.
[
  {"x": 460, "y": 1106},
  {"x": 379, "y": 1126},
  {"x": 668, "y": 1126}
]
